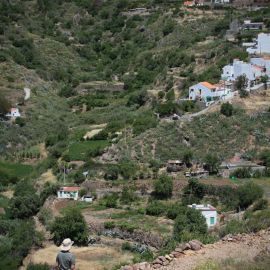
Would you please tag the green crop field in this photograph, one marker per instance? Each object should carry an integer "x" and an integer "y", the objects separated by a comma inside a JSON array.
[
  {"x": 15, "y": 169},
  {"x": 79, "y": 150}
]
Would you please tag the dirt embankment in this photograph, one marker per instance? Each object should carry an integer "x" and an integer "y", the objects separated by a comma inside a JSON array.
[{"x": 244, "y": 247}]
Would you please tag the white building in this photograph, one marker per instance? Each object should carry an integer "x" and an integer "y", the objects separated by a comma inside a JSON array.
[
  {"x": 68, "y": 193},
  {"x": 237, "y": 68},
  {"x": 252, "y": 71},
  {"x": 87, "y": 198},
  {"x": 263, "y": 62},
  {"x": 262, "y": 44},
  {"x": 208, "y": 211},
  {"x": 14, "y": 113},
  {"x": 208, "y": 92}
]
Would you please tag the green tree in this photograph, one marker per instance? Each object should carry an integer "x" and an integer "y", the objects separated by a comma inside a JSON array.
[
  {"x": 212, "y": 163},
  {"x": 24, "y": 206},
  {"x": 249, "y": 193},
  {"x": 241, "y": 85},
  {"x": 70, "y": 225},
  {"x": 226, "y": 109},
  {"x": 163, "y": 187},
  {"x": 191, "y": 223},
  {"x": 193, "y": 192},
  {"x": 4, "y": 105},
  {"x": 187, "y": 157}
]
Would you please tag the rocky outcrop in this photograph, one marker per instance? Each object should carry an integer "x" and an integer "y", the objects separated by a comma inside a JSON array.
[
  {"x": 165, "y": 260},
  {"x": 146, "y": 238}
]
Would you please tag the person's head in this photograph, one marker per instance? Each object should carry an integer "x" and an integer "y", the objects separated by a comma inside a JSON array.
[{"x": 66, "y": 244}]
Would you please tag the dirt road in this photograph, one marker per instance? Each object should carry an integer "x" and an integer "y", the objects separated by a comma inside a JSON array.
[{"x": 244, "y": 250}]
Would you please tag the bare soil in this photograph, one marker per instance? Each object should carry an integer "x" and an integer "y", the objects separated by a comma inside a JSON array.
[{"x": 245, "y": 250}]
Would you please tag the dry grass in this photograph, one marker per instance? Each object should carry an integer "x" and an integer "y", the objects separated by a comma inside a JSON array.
[
  {"x": 96, "y": 258},
  {"x": 255, "y": 102}
]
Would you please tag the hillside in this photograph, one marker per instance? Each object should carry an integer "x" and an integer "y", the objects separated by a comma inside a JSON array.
[{"x": 95, "y": 103}]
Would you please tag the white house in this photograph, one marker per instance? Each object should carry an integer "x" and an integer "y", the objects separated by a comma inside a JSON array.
[
  {"x": 68, "y": 193},
  {"x": 262, "y": 44},
  {"x": 14, "y": 113},
  {"x": 208, "y": 211},
  {"x": 263, "y": 62},
  {"x": 238, "y": 68},
  {"x": 248, "y": 25},
  {"x": 208, "y": 92}
]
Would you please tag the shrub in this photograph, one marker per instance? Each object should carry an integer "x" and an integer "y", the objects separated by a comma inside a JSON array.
[
  {"x": 189, "y": 223},
  {"x": 127, "y": 196},
  {"x": 45, "y": 216},
  {"x": 232, "y": 227},
  {"x": 261, "y": 204},
  {"x": 70, "y": 225},
  {"x": 4, "y": 105},
  {"x": 155, "y": 208},
  {"x": 24, "y": 206},
  {"x": 174, "y": 210},
  {"x": 242, "y": 173},
  {"x": 109, "y": 225},
  {"x": 212, "y": 163},
  {"x": 226, "y": 109},
  {"x": 67, "y": 91},
  {"x": 163, "y": 187},
  {"x": 249, "y": 193},
  {"x": 110, "y": 201},
  {"x": 193, "y": 192},
  {"x": 112, "y": 172}
]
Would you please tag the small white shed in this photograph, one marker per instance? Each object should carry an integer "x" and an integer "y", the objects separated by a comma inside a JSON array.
[
  {"x": 208, "y": 211},
  {"x": 68, "y": 193}
]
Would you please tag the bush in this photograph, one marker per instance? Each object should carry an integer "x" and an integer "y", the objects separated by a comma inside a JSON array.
[
  {"x": 110, "y": 201},
  {"x": 45, "y": 216},
  {"x": 127, "y": 196},
  {"x": 112, "y": 172},
  {"x": 242, "y": 173},
  {"x": 261, "y": 204},
  {"x": 70, "y": 225},
  {"x": 188, "y": 224},
  {"x": 163, "y": 187},
  {"x": 248, "y": 194},
  {"x": 226, "y": 109},
  {"x": 109, "y": 225},
  {"x": 155, "y": 208},
  {"x": 24, "y": 206},
  {"x": 67, "y": 91},
  {"x": 232, "y": 227}
]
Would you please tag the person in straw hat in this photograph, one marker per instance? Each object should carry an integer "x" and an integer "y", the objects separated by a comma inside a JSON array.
[{"x": 64, "y": 259}]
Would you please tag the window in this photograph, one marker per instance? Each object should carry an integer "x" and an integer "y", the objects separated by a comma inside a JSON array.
[{"x": 212, "y": 220}]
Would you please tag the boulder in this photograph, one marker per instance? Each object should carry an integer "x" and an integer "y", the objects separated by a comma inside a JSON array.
[
  {"x": 194, "y": 245},
  {"x": 162, "y": 258},
  {"x": 156, "y": 266},
  {"x": 168, "y": 257},
  {"x": 127, "y": 267}
]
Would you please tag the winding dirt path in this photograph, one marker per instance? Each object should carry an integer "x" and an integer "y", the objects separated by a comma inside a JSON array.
[{"x": 243, "y": 250}]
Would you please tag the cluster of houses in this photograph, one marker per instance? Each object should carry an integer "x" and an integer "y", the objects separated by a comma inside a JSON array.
[{"x": 254, "y": 70}]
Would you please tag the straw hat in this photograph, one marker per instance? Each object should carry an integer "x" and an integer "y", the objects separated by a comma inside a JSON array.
[{"x": 66, "y": 244}]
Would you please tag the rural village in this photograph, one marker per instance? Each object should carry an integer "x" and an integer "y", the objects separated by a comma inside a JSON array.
[{"x": 138, "y": 129}]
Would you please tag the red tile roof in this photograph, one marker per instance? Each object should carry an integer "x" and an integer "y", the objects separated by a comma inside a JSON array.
[
  {"x": 70, "y": 189},
  {"x": 208, "y": 85}
]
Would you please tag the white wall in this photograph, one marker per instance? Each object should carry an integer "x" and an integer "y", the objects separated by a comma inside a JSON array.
[
  {"x": 68, "y": 195},
  {"x": 208, "y": 215}
]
